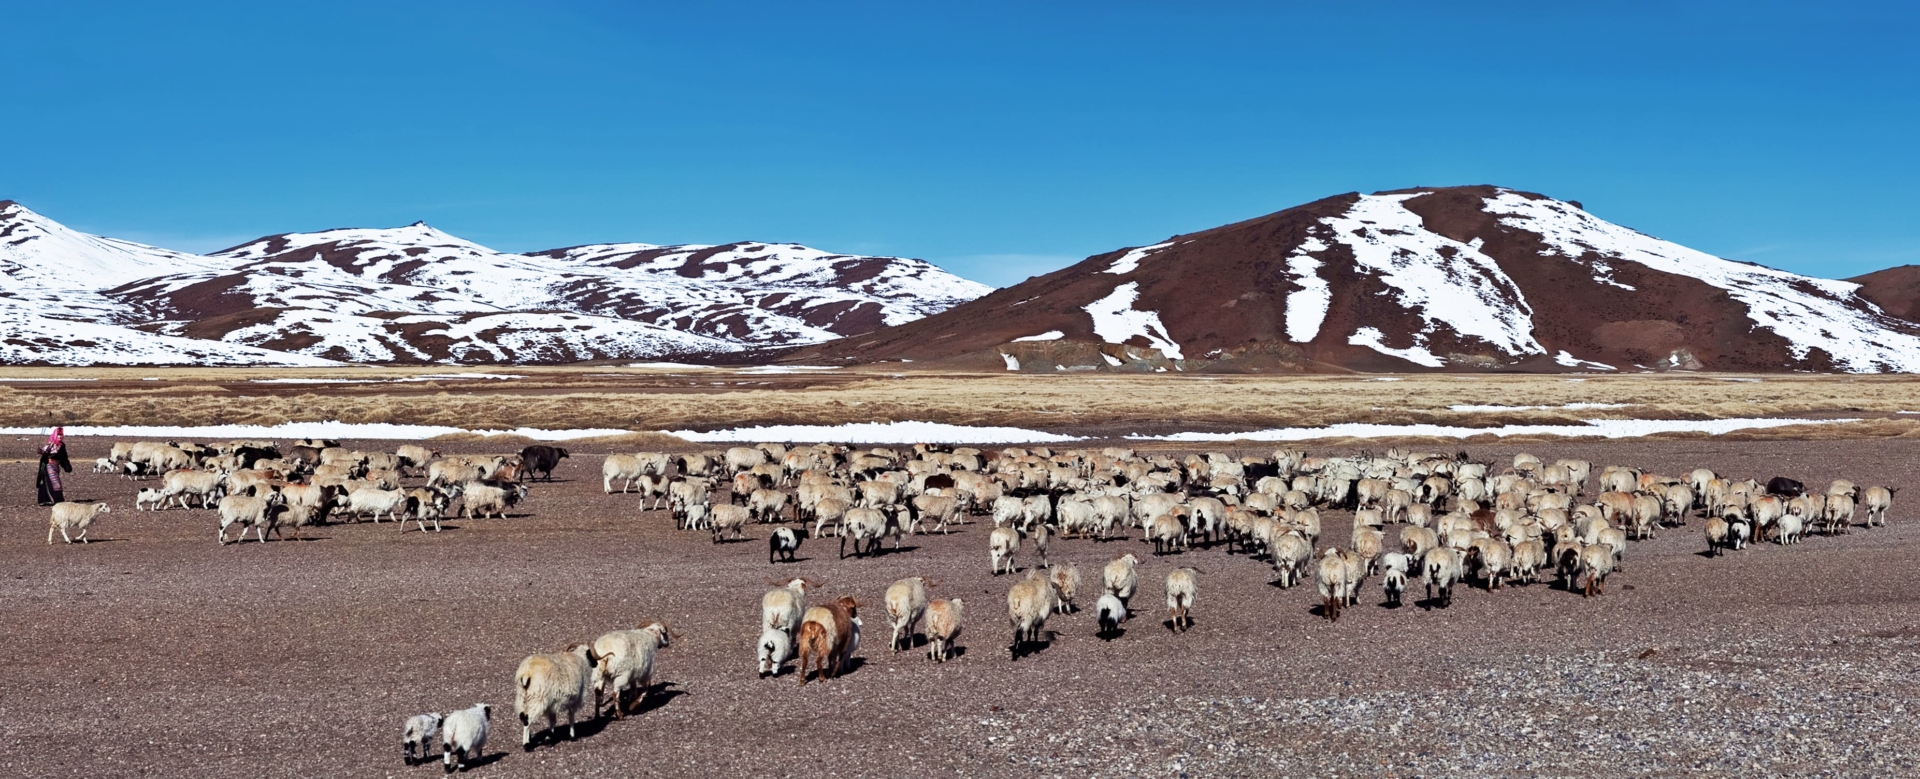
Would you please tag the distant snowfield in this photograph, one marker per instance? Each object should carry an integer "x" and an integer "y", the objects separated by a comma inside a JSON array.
[
  {"x": 290, "y": 430},
  {"x": 878, "y": 433},
  {"x": 430, "y": 377},
  {"x": 1592, "y": 428}
]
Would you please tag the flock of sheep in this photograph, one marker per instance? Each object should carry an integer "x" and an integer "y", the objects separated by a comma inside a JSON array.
[{"x": 1455, "y": 520}]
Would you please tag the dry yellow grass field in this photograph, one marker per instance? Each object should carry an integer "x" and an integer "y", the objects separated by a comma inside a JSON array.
[{"x": 650, "y": 399}]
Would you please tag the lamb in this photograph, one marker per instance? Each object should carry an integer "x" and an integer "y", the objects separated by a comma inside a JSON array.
[
  {"x": 1109, "y": 613},
  {"x": 1787, "y": 529},
  {"x": 1120, "y": 577},
  {"x": 1028, "y": 604},
  {"x": 1394, "y": 577},
  {"x": 1442, "y": 567},
  {"x": 776, "y": 648},
  {"x": 782, "y": 542},
  {"x": 1182, "y": 585},
  {"x": 906, "y": 602},
  {"x": 248, "y": 511},
  {"x": 1596, "y": 561},
  {"x": 1066, "y": 579},
  {"x": 149, "y": 499},
  {"x": 73, "y": 516},
  {"x": 425, "y": 504},
  {"x": 550, "y": 684},
  {"x": 1002, "y": 543},
  {"x": 464, "y": 733},
  {"x": 624, "y": 663},
  {"x": 1334, "y": 582},
  {"x": 416, "y": 737},
  {"x": 943, "y": 626},
  {"x": 727, "y": 519}
]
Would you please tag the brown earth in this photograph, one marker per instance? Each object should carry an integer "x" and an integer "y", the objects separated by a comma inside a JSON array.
[
  {"x": 1896, "y": 290},
  {"x": 153, "y": 652}
]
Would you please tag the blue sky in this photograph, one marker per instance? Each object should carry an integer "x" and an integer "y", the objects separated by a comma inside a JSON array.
[{"x": 1000, "y": 140}]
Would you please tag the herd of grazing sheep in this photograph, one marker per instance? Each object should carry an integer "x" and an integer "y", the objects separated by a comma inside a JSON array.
[{"x": 1453, "y": 519}]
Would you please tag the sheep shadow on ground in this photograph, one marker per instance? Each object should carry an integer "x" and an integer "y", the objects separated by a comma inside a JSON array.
[
  {"x": 1031, "y": 648},
  {"x": 1430, "y": 604},
  {"x": 1109, "y": 635},
  {"x": 487, "y": 759},
  {"x": 657, "y": 697}
]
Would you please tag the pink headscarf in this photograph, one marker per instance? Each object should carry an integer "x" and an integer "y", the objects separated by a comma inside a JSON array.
[{"x": 58, "y": 434}]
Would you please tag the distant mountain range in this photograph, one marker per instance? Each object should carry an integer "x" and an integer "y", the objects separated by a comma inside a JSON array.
[
  {"x": 1454, "y": 278},
  {"x": 416, "y": 295}
]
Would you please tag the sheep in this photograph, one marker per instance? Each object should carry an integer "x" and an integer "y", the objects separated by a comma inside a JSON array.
[
  {"x": 416, "y": 737},
  {"x": 829, "y": 635},
  {"x": 1182, "y": 585},
  {"x": 866, "y": 526},
  {"x": 1008, "y": 511},
  {"x": 1717, "y": 535},
  {"x": 624, "y": 663},
  {"x": 906, "y": 602},
  {"x": 625, "y": 467},
  {"x": 464, "y": 733},
  {"x": 542, "y": 459},
  {"x": 1366, "y": 543},
  {"x": 73, "y": 516},
  {"x": 1121, "y": 577},
  {"x": 1166, "y": 532},
  {"x": 1290, "y": 555},
  {"x": 782, "y": 542},
  {"x": 1038, "y": 535},
  {"x": 1334, "y": 583},
  {"x": 1839, "y": 510},
  {"x": 782, "y": 606},
  {"x": 727, "y": 519},
  {"x": 1877, "y": 500},
  {"x": 1109, "y": 612},
  {"x": 943, "y": 626},
  {"x": 683, "y": 496},
  {"x": 149, "y": 499},
  {"x": 1787, "y": 529},
  {"x": 1066, "y": 579},
  {"x": 765, "y": 505},
  {"x": 940, "y": 511},
  {"x": 1596, "y": 561},
  {"x": 550, "y": 684},
  {"x": 480, "y": 498},
  {"x": 203, "y": 486},
  {"x": 371, "y": 500},
  {"x": 1528, "y": 557},
  {"x": 248, "y": 511},
  {"x": 1616, "y": 541},
  {"x": 413, "y": 456},
  {"x": 1442, "y": 570},
  {"x": 425, "y": 504},
  {"x": 1002, "y": 543},
  {"x": 1489, "y": 558},
  {"x": 775, "y": 649},
  {"x": 1028, "y": 604}
]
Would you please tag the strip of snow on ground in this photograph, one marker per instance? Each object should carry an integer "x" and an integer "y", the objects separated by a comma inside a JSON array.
[
  {"x": 1447, "y": 283},
  {"x": 292, "y": 430},
  {"x": 1370, "y": 337},
  {"x": 1595, "y": 428},
  {"x": 1116, "y": 321},
  {"x": 1050, "y": 335},
  {"x": 1809, "y": 313},
  {"x": 878, "y": 433}
]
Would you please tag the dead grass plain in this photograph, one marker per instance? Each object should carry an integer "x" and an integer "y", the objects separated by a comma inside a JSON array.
[{"x": 1092, "y": 405}]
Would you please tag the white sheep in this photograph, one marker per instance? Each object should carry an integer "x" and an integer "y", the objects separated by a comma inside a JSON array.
[
  {"x": 906, "y": 602},
  {"x": 1121, "y": 577},
  {"x": 550, "y": 684},
  {"x": 727, "y": 519},
  {"x": 73, "y": 516},
  {"x": 248, "y": 511},
  {"x": 1002, "y": 543},
  {"x": 623, "y": 662},
  {"x": 1182, "y": 585},
  {"x": 1393, "y": 577},
  {"x": 1877, "y": 500},
  {"x": 1442, "y": 570},
  {"x": 149, "y": 499},
  {"x": 1109, "y": 612},
  {"x": 1291, "y": 551},
  {"x": 463, "y": 735},
  {"x": 625, "y": 467},
  {"x": 416, "y": 737},
  {"x": 1596, "y": 561},
  {"x": 1335, "y": 580},
  {"x": 1029, "y": 603},
  {"x": 1066, "y": 579},
  {"x": 782, "y": 607}
]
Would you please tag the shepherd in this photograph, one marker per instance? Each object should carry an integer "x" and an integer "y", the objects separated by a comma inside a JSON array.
[{"x": 53, "y": 460}]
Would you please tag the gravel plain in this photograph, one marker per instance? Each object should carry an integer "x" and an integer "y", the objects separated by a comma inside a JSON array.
[{"x": 155, "y": 653}]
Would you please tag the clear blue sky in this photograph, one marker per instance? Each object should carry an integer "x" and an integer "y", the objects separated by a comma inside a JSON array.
[{"x": 998, "y": 140}]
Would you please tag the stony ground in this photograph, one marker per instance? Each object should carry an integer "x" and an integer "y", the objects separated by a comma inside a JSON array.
[{"x": 155, "y": 652}]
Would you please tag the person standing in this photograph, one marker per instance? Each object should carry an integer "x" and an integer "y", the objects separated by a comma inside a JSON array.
[{"x": 53, "y": 460}]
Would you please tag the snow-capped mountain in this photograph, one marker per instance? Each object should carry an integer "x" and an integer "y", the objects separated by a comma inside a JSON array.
[
  {"x": 416, "y": 294},
  {"x": 1460, "y": 278}
]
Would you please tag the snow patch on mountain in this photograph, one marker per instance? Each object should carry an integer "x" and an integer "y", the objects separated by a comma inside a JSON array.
[
  {"x": 1130, "y": 261},
  {"x": 1809, "y": 313},
  {"x": 1307, "y": 306},
  {"x": 1115, "y": 320},
  {"x": 1447, "y": 283},
  {"x": 1372, "y": 338}
]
